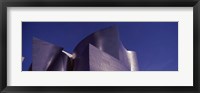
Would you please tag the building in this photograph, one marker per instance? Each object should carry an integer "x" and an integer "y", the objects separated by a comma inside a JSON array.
[{"x": 100, "y": 51}]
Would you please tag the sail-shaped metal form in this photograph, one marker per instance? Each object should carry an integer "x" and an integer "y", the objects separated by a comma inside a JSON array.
[{"x": 47, "y": 56}]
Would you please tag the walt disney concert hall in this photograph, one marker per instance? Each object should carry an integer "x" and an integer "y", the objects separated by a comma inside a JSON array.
[{"x": 99, "y": 51}]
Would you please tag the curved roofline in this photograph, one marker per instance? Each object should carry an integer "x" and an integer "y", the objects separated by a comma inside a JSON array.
[{"x": 92, "y": 34}]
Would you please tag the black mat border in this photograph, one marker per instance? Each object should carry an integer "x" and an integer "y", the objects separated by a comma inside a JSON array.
[{"x": 97, "y": 3}]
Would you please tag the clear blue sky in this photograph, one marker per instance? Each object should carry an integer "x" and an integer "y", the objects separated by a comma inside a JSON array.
[{"x": 156, "y": 43}]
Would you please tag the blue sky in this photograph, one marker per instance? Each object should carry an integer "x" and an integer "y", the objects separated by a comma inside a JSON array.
[{"x": 156, "y": 43}]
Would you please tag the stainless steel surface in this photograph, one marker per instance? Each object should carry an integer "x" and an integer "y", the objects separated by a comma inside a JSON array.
[{"x": 100, "y": 51}]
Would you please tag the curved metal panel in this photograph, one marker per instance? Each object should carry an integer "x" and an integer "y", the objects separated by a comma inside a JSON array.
[{"x": 108, "y": 42}]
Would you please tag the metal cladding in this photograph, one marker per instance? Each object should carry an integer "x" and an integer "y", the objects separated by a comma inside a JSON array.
[
  {"x": 46, "y": 56},
  {"x": 106, "y": 40},
  {"x": 101, "y": 61},
  {"x": 100, "y": 51}
]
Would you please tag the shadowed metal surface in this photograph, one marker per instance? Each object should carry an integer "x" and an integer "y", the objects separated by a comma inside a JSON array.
[
  {"x": 60, "y": 63},
  {"x": 46, "y": 56}
]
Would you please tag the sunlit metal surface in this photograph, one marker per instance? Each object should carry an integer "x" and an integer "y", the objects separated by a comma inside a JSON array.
[
  {"x": 23, "y": 59},
  {"x": 101, "y": 61},
  {"x": 132, "y": 59}
]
